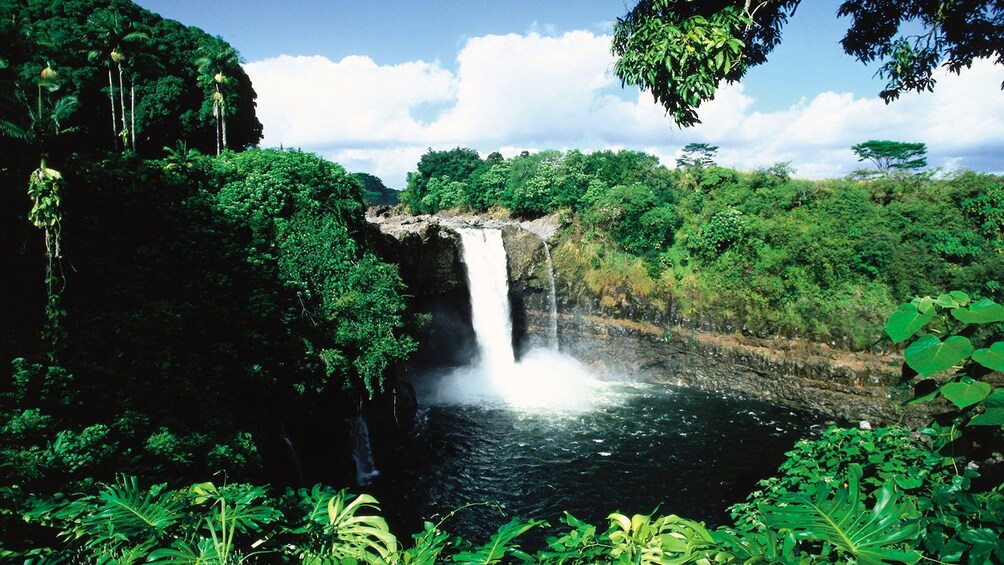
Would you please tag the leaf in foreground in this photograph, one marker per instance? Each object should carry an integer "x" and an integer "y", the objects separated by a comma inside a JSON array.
[{"x": 842, "y": 519}]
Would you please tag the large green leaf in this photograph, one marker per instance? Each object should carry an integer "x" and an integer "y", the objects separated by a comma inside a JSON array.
[
  {"x": 128, "y": 514},
  {"x": 906, "y": 320},
  {"x": 365, "y": 538},
  {"x": 994, "y": 410},
  {"x": 760, "y": 547},
  {"x": 964, "y": 394},
  {"x": 985, "y": 311},
  {"x": 841, "y": 519},
  {"x": 929, "y": 355},
  {"x": 992, "y": 417},
  {"x": 992, "y": 357},
  {"x": 952, "y": 299},
  {"x": 500, "y": 545}
]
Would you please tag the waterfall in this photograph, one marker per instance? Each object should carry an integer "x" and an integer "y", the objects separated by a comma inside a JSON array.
[
  {"x": 487, "y": 277},
  {"x": 552, "y": 298},
  {"x": 362, "y": 451},
  {"x": 294, "y": 457},
  {"x": 543, "y": 379}
]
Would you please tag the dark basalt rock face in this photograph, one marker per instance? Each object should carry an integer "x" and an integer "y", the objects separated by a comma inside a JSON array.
[
  {"x": 430, "y": 261},
  {"x": 637, "y": 342},
  {"x": 529, "y": 286}
]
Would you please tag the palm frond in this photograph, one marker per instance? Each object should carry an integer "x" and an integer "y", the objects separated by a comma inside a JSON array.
[{"x": 9, "y": 129}]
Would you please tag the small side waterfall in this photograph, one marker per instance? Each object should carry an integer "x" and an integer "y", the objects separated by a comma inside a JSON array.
[
  {"x": 294, "y": 457},
  {"x": 552, "y": 299},
  {"x": 362, "y": 451}
]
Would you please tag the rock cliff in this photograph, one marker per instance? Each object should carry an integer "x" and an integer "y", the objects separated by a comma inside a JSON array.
[{"x": 643, "y": 342}]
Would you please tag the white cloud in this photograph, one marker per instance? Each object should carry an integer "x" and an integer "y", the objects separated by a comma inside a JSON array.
[
  {"x": 314, "y": 102},
  {"x": 558, "y": 91}
]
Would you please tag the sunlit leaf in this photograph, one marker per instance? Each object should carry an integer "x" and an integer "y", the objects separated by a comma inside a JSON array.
[
  {"x": 905, "y": 322},
  {"x": 992, "y": 357},
  {"x": 985, "y": 311},
  {"x": 929, "y": 355},
  {"x": 963, "y": 394},
  {"x": 960, "y": 297}
]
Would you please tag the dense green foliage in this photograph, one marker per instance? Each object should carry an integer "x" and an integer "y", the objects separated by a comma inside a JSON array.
[
  {"x": 681, "y": 50},
  {"x": 822, "y": 259},
  {"x": 202, "y": 298},
  {"x": 176, "y": 317},
  {"x": 374, "y": 190},
  {"x": 88, "y": 41},
  {"x": 871, "y": 496},
  {"x": 193, "y": 307}
]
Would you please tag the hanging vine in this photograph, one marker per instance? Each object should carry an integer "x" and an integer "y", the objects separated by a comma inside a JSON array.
[{"x": 44, "y": 187}]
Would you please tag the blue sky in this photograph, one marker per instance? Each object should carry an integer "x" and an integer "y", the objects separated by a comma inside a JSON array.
[{"x": 374, "y": 84}]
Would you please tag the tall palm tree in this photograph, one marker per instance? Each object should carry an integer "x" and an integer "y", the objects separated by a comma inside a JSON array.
[
  {"x": 116, "y": 36},
  {"x": 213, "y": 65}
]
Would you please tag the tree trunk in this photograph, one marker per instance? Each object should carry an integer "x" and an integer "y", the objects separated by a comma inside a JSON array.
[
  {"x": 132, "y": 114},
  {"x": 111, "y": 98},
  {"x": 216, "y": 114},
  {"x": 125, "y": 126},
  {"x": 223, "y": 122}
]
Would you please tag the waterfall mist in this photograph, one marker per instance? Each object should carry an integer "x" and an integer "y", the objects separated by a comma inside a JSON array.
[{"x": 542, "y": 379}]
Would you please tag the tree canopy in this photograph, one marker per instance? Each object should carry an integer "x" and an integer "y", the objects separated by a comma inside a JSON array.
[
  {"x": 681, "y": 50},
  {"x": 892, "y": 156},
  {"x": 156, "y": 96}
]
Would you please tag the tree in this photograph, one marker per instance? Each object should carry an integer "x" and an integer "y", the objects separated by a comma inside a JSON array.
[
  {"x": 697, "y": 155},
  {"x": 46, "y": 120},
  {"x": 892, "y": 156},
  {"x": 681, "y": 50},
  {"x": 213, "y": 69},
  {"x": 117, "y": 35},
  {"x": 456, "y": 164}
]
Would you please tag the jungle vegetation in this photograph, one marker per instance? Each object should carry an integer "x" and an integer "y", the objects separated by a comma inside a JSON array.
[
  {"x": 764, "y": 250},
  {"x": 176, "y": 303}
]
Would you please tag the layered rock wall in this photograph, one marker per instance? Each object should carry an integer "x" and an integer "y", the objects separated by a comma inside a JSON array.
[{"x": 642, "y": 343}]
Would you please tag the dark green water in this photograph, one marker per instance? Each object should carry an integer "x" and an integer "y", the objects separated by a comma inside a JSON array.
[{"x": 637, "y": 449}]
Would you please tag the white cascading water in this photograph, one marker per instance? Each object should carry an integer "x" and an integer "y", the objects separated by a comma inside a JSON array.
[
  {"x": 552, "y": 299},
  {"x": 543, "y": 378},
  {"x": 362, "y": 451},
  {"x": 485, "y": 257}
]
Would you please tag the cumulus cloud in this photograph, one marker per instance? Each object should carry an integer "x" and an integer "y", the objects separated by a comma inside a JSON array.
[{"x": 547, "y": 91}]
